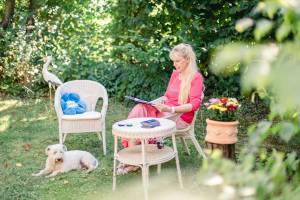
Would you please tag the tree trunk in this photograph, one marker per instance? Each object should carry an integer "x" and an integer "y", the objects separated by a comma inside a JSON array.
[
  {"x": 8, "y": 13},
  {"x": 228, "y": 150},
  {"x": 30, "y": 19}
]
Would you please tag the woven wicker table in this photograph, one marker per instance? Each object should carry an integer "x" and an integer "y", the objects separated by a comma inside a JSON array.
[{"x": 144, "y": 155}]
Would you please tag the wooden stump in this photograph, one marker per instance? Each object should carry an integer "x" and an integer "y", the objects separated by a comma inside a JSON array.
[{"x": 228, "y": 150}]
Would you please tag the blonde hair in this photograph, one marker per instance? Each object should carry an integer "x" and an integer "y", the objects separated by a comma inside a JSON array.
[{"x": 186, "y": 51}]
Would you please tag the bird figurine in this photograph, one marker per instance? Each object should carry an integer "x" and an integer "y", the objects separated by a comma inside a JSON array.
[{"x": 51, "y": 79}]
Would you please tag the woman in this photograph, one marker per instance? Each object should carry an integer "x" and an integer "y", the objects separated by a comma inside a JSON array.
[{"x": 183, "y": 94}]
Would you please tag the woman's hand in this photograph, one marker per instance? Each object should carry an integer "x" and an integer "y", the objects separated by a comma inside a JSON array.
[{"x": 162, "y": 107}]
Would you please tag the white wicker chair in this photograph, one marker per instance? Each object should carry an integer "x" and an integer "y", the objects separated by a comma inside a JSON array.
[
  {"x": 91, "y": 120},
  {"x": 187, "y": 133}
]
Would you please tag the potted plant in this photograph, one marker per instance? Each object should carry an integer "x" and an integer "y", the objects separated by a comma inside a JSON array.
[{"x": 222, "y": 122}]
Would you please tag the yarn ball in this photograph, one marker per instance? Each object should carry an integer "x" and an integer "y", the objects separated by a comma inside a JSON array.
[{"x": 71, "y": 104}]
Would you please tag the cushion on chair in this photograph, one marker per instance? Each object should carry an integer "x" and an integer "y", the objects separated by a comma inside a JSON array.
[
  {"x": 71, "y": 104},
  {"x": 83, "y": 116}
]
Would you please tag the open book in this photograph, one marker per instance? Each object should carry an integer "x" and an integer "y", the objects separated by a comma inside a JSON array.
[{"x": 138, "y": 100}]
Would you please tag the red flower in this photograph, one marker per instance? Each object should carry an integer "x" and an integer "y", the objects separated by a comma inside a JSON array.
[
  {"x": 232, "y": 107},
  {"x": 224, "y": 100}
]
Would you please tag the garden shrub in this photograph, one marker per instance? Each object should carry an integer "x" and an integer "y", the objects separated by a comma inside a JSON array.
[{"x": 128, "y": 40}]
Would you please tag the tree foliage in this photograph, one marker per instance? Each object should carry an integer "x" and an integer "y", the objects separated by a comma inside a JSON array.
[
  {"x": 143, "y": 33},
  {"x": 123, "y": 44},
  {"x": 69, "y": 31}
]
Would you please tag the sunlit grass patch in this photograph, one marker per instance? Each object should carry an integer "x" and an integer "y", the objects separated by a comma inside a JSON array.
[
  {"x": 6, "y": 104},
  {"x": 4, "y": 123}
]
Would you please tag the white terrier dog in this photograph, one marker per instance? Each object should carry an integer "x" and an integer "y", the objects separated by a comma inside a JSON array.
[{"x": 60, "y": 160}]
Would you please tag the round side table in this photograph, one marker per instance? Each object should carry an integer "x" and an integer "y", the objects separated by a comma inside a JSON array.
[{"x": 144, "y": 155}]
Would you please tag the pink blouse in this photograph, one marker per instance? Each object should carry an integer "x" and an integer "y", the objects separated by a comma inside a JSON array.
[{"x": 172, "y": 94}]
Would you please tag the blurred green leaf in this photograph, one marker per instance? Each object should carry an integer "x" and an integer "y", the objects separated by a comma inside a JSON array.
[
  {"x": 243, "y": 24},
  {"x": 271, "y": 8},
  {"x": 260, "y": 133},
  {"x": 286, "y": 131},
  {"x": 283, "y": 31},
  {"x": 227, "y": 57},
  {"x": 263, "y": 27}
]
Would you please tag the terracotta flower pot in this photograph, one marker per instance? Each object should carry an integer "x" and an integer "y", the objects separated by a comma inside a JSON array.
[{"x": 221, "y": 132}]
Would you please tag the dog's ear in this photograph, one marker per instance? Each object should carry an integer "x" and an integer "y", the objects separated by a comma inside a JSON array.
[
  {"x": 65, "y": 148},
  {"x": 47, "y": 150}
]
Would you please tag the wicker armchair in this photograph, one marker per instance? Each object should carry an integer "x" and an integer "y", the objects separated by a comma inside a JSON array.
[
  {"x": 91, "y": 120},
  {"x": 189, "y": 133}
]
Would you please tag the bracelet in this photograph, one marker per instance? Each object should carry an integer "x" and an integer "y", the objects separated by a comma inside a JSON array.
[{"x": 172, "y": 109}]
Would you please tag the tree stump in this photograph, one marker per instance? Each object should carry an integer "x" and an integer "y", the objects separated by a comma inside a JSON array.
[{"x": 228, "y": 150}]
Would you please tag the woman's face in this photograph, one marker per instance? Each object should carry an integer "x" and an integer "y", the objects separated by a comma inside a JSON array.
[{"x": 180, "y": 63}]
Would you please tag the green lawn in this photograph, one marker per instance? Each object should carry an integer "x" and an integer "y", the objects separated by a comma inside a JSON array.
[{"x": 33, "y": 121}]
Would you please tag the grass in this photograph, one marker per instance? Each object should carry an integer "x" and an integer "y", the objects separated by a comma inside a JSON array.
[{"x": 33, "y": 122}]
